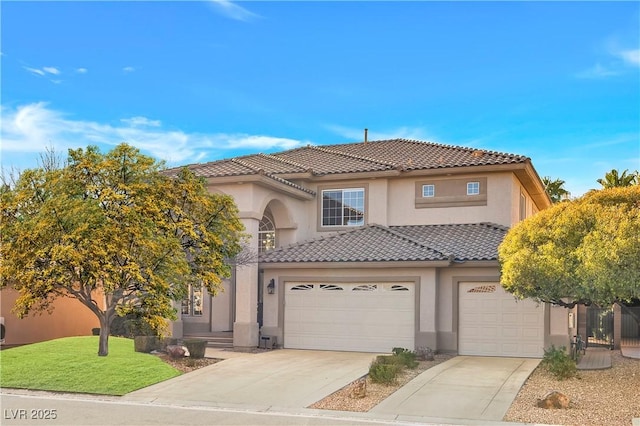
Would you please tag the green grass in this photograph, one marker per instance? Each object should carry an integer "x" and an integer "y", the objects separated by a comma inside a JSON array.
[{"x": 72, "y": 364}]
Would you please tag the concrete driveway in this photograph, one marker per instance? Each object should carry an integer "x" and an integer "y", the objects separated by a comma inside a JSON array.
[
  {"x": 285, "y": 378},
  {"x": 463, "y": 388}
]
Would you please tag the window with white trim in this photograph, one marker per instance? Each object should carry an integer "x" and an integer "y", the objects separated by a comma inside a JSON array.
[
  {"x": 473, "y": 188},
  {"x": 343, "y": 207},
  {"x": 428, "y": 191},
  {"x": 192, "y": 304},
  {"x": 266, "y": 235}
]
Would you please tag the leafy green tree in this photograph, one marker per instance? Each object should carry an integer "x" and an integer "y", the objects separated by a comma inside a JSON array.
[
  {"x": 116, "y": 233},
  {"x": 614, "y": 179},
  {"x": 555, "y": 189},
  {"x": 585, "y": 251}
]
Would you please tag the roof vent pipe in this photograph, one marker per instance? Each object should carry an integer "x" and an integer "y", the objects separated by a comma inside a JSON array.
[{"x": 366, "y": 131}]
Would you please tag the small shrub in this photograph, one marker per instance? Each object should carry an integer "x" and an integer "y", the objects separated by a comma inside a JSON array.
[
  {"x": 196, "y": 347},
  {"x": 131, "y": 325},
  {"x": 406, "y": 357},
  {"x": 389, "y": 360},
  {"x": 558, "y": 362},
  {"x": 145, "y": 344},
  {"x": 384, "y": 373}
]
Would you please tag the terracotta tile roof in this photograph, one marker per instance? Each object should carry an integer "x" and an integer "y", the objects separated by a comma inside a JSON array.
[
  {"x": 377, "y": 243},
  {"x": 477, "y": 241},
  {"x": 414, "y": 155},
  {"x": 401, "y": 154}
]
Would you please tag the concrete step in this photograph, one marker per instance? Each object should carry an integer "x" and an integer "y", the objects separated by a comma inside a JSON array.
[{"x": 213, "y": 341}]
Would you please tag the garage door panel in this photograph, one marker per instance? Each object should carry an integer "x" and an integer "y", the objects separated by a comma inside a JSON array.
[
  {"x": 493, "y": 323},
  {"x": 360, "y": 317}
]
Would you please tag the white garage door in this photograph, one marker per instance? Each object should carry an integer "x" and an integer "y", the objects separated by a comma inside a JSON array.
[
  {"x": 372, "y": 317},
  {"x": 493, "y": 323}
]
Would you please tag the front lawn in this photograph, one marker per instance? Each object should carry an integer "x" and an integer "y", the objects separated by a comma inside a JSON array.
[{"x": 72, "y": 364}]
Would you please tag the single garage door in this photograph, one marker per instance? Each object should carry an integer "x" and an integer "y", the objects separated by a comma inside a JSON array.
[
  {"x": 493, "y": 323},
  {"x": 373, "y": 317}
]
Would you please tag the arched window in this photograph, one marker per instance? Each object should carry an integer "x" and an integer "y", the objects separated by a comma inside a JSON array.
[{"x": 266, "y": 234}]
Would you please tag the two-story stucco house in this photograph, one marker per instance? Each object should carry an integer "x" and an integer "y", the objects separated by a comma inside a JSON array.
[{"x": 374, "y": 245}]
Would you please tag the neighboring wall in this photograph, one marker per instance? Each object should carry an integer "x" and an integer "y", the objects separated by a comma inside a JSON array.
[{"x": 69, "y": 318}]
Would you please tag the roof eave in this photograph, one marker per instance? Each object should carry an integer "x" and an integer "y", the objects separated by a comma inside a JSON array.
[
  {"x": 358, "y": 265},
  {"x": 460, "y": 170},
  {"x": 355, "y": 175},
  {"x": 531, "y": 180},
  {"x": 262, "y": 180}
]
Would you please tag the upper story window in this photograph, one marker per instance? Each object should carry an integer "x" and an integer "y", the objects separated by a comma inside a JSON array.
[
  {"x": 451, "y": 191},
  {"x": 266, "y": 235},
  {"x": 428, "y": 190},
  {"x": 343, "y": 207}
]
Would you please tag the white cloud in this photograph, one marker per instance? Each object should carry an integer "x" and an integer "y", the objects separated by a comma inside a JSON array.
[
  {"x": 259, "y": 142},
  {"x": 34, "y": 71},
  {"x": 35, "y": 127},
  {"x": 128, "y": 69},
  {"x": 416, "y": 133},
  {"x": 597, "y": 71},
  {"x": 81, "y": 70},
  {"x": 631, "y": 56},
  {"x": 51, "y": 70},
  {"x": 232, "y": 10},
  {"x": 141, "y": 122}
]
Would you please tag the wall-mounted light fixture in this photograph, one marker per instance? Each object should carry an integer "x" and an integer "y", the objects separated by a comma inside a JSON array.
[{"x": 271, "y": 287}]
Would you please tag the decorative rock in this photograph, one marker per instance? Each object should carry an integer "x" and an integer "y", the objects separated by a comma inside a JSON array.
[
  {"x": 175, "y": 351},
  {"x": 424, "y": 353},
  {"x": 554, "y": 399},
  {"x": 359, "y": 388}
]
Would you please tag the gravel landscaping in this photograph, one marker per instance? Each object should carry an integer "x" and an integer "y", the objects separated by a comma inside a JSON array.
[
  {"x": 187, "y": 364},
  {"x": 598, "y": 397},
  {"x": 342, "y": 400}
]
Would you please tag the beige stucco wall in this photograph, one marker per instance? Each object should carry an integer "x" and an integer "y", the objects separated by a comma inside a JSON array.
[
  {"x": 389, "y": 202},
  {"x": 404, "y": 212},
  {"x": 516, "y": 189},
  {"x": 221, "y": 309},
  {"x": 68, "y": 318}
]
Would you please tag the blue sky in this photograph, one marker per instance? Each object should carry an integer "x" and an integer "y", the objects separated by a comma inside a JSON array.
[{"x": 198, "y": 81}]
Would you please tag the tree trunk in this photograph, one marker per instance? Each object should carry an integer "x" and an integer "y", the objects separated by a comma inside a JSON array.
[{"x": 105, "y": 329}]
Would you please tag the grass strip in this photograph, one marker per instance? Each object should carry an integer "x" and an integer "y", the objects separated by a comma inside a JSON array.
[{"x": 72, "y": 364}]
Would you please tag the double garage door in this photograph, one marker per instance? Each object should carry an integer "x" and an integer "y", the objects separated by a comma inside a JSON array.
[
  {"x": 364, "y": 317},
  {"x": 493, "y": 323},
  {"x": 376, "y": 317}
]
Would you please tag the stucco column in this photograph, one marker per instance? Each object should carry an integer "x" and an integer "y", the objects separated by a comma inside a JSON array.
[
  {"x": 426, "y": 334},
  {"x": 245, "y": 327}
]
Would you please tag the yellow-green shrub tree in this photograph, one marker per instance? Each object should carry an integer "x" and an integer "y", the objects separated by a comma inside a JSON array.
[
  {"x": 585, "y": 251},
  {"x": 114, "y": 226}
]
